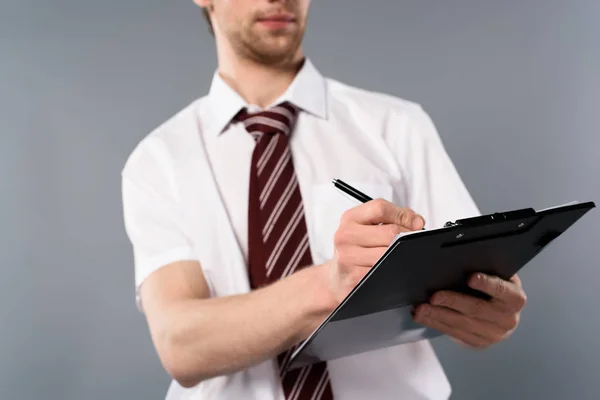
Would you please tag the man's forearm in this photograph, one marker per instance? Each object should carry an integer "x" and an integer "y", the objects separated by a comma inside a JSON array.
[{"x": 210, "y": 337}]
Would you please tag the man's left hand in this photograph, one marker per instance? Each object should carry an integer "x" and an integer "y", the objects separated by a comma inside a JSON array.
[{"x": 472, "y": 321}]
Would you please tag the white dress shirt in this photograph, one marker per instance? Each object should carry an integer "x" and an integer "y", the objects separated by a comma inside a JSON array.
[{"x": 185, "y": 192}]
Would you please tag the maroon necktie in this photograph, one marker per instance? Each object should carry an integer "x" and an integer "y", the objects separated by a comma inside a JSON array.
[{"x": 277, "y": 236}]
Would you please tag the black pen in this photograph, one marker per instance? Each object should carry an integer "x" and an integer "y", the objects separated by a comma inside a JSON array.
[{"x": 357, "y": 194}]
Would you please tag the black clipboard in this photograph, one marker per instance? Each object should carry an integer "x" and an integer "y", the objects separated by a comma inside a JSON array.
[{"x": 377, "y": 312}]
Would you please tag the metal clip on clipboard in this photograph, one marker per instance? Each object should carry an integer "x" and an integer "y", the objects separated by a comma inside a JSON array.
[{"x": 495, "y": 217}]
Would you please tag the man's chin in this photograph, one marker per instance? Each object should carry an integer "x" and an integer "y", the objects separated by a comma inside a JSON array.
[
  {"x": 274, "y": 53},
  {"x": 274, "y": 58}
]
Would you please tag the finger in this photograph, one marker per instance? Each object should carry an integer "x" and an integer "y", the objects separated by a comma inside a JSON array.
[
  {"x": 461, "y": 343},
  {"x": 359, "y": 256},
  {"x": 369, "y": 235},
  {"x": 461, "y": 322},
  {"x": 468, "y": 338},
  {"x": 516, "y": 280},
  {"x": 380, "y": 211},
  {"x": 475, "y": 307},
  {"x": 507, "y": 294}
]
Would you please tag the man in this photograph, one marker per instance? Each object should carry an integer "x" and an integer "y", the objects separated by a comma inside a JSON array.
[{"x": 242, "y": 246}]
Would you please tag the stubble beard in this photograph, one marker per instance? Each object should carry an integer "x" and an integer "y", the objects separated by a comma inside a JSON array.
[{"x": 266, "y": 50}]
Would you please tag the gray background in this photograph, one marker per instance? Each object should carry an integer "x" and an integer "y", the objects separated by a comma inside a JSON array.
[{"x": 514, "y": 88}]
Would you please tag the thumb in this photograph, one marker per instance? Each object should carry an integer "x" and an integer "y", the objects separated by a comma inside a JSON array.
[{"x": 409, "y": 219}]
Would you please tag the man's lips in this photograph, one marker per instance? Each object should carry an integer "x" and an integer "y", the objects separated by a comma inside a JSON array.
[
  {"x": 282, "y": 17},
  {"x": 277, "y": 20}
]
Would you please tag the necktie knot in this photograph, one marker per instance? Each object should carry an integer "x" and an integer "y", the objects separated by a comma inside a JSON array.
[{"x": 279, "y": 119}]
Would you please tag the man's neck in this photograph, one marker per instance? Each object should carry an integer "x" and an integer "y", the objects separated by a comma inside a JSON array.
[{"x": 256, "y": 83}]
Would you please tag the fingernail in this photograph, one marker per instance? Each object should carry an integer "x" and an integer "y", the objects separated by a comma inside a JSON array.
[
  {"x": 426, "y": 310},
  {"x": 438, "y": 299},
  {"x": 478, "y": 281},
  {"x": 417, "y": 223}
]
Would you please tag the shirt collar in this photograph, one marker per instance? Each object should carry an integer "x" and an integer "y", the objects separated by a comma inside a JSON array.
[{"x": 307, "y": 91}]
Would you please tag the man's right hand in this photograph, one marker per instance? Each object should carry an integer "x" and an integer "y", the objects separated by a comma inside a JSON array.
[
  {"x": 364, "y": 234},
  {"x": 198, "y": 336}
]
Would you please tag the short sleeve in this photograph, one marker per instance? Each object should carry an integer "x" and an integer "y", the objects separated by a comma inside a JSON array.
[
  {"x": 153, "y": 220},
  {"x": 433, "y": 184}
]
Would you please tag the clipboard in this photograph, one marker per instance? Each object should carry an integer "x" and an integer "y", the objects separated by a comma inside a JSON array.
[{"x": 377, "y": 312}]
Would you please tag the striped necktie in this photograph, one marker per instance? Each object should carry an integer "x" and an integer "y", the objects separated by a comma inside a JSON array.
[{"x": 277, "y": 235}]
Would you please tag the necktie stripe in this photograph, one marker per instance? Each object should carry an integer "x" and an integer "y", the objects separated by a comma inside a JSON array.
[
  {"x": 284, "y": 112},
  {"x": 271, "y": 201},
  {"x": 285, "y": 157},
  {"x": 298, "y": 254},
  {"x": 292, "y": 224},
  {"x": 278, "y": 114},
  {"x": 298, "y": 384},
  {"x": 254, "y": 123},
  {"x": 279, "y": 207},
  {"x": 321, "y": 386},
  {"x": 264, "y": 128},
  {"x": 277, "y": 164},
  {"x": 311, "y": 388},
  {"x": 278, "y": 240},
  {"x": 288, "y": 106},
  {"x": 285, "y": 357},
  {"x": 264, "y": 158}
]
